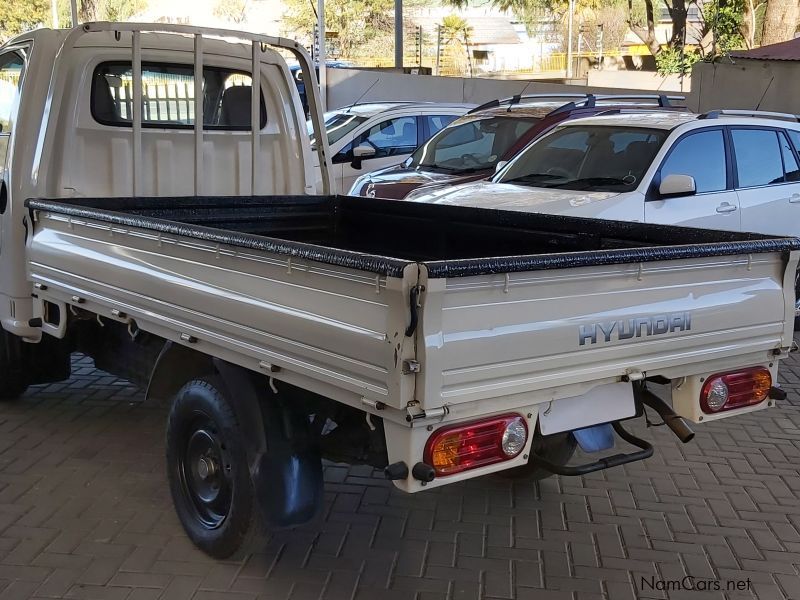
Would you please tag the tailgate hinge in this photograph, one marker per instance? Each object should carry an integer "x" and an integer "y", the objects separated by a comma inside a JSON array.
[{"x": 633, "y": 375}]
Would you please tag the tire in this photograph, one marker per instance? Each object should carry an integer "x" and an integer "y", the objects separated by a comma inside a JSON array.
[
  {"x": 12, "y": 389},
  {"x": 557, "y": 448},
  {"x": 208, "y": 471},
  {"x": 13, "y": 363}
]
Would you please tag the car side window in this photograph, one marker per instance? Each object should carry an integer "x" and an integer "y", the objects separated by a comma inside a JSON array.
[
  {"x": 791, "y": 170},
  {"x": 701, "y": 155},
  {"x": 794, "y": 136},
  {"x": 11, "y": 66},
  {"x": 438, "y": 122},
  {"x": 758, "y": 157},
  {"x": 389, "y": 138}
]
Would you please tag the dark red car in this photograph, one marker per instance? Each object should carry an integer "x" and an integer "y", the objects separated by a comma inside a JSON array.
[{"x": 473, "y": 146}]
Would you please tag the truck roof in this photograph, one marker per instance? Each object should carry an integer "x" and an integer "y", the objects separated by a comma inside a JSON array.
[{"x": 222, "y": 47}]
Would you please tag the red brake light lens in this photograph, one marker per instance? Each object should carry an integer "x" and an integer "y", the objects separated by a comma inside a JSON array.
[
  {"x": 477, "y": 444},
  {"x": 727, "y": 391}
]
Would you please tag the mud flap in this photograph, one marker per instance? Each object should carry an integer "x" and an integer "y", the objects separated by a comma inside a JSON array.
[
  {"x": 285, "y": 463},
  {"x": 288, "y": 487}
]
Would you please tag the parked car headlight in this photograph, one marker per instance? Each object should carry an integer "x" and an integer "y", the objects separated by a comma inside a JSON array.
[{"x": 358, "y": 185}]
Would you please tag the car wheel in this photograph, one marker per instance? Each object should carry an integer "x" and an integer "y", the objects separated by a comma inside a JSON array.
[
  {"x": 208, "y": 472},
  {"x": 13, "y": 367}
]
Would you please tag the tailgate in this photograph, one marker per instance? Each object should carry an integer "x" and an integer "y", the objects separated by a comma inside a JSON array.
[{"x": 495, "y": 335}]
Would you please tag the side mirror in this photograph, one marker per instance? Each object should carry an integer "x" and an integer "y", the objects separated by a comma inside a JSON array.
[
  {"x": 677, "y": 185},
  {"x": 360, "y": 153},
  {"x": 499, "y": 166}
]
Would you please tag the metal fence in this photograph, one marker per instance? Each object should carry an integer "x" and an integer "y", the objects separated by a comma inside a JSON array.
[
  {"x": 164, "y": 98},
  {"x": 456, "y": 62},
  {"x": 11, "y": 77}
]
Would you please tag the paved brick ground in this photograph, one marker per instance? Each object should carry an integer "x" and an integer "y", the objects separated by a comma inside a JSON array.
[{"x": 85, "y": 513}]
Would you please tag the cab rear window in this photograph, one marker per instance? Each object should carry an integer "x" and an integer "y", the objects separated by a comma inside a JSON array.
[{"x": 168, "y": 96}]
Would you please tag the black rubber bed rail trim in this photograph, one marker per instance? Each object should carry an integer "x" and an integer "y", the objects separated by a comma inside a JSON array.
[
  {"x": 381, "y": 265},
  {"x": 603, "y": 463},
  {"x": 565, "y": 260},
  {"x": 385, "y": 236}
]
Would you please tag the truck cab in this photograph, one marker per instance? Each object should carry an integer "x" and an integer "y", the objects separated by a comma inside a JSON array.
[{"x": 75, "y": 136}]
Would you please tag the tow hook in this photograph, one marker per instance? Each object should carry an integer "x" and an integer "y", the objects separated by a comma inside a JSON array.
[{"x": 776, "y": 393}]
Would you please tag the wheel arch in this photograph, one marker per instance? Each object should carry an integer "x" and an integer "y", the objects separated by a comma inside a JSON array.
[{"x": 283, "y": 458}]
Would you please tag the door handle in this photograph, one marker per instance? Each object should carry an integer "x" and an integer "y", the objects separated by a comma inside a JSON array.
[
  {"x": 726, "y": 208},
  {"x": 794, "y": 199}
]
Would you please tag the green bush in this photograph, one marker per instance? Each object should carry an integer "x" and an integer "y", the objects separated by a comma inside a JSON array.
[{"x": 672, "y": 61}]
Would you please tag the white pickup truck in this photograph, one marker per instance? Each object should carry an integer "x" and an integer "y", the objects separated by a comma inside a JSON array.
[{"x": 437, "y": 342}]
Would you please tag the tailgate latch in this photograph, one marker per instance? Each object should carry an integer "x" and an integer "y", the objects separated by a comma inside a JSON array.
[
  {"x": 414, "y": 305},
  {"x": 411, "y": 366}
]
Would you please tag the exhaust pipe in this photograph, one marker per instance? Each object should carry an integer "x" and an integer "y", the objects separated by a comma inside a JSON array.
[{"x": 675, "y": 422}]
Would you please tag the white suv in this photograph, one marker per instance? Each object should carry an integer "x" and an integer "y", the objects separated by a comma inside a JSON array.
[
  {"x": 725, "y": 169},
  {"x": 370, "y": 136},
  {"x": 731, "y": 170}
]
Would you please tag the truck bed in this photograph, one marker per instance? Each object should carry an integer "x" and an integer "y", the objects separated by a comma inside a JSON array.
[
  {"x": 378, "y": 301},
  {"x": 382, "y": 236}
]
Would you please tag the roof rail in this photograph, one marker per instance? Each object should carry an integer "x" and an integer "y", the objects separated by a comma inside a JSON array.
[
  {"x": 664, "y": 101},
  {"x": 716, "y": 114},
  {"x": 586, "y": 100},
  {"x": 516, "y": 99},
  {"x": 592, "y": 99}
]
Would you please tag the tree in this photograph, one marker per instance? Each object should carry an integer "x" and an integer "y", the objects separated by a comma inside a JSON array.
[
  {"x": 723, "y": 27},
  {"x": 234, "y": 11},
  {"x": 780, "y": 21},
  {"x": 18, "y": 16},
  {"x": 455, "y": 57},
  {"x": 120, "y": 10},
  {"x": 647, "y": 31},
  {"x": 357, "y": 22},
  {"x": 752, "y": 15}
]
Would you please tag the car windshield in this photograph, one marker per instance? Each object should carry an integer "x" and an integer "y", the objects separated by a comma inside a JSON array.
[
  {"x": 337, "y": 125},
  {"x": 475, "y": 145},
  {"x": 587, "y": 158}
]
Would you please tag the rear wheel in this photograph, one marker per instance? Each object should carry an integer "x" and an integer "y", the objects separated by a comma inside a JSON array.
[
  {"x": 208, "y": 473},
  {"x": 13, "y": 366},
  {"x": 557, "y": 449}
]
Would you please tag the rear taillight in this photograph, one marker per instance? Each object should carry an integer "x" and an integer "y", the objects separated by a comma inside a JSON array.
[
  {"x": 726, "y": 391},
  {"x": 477, "y": 444}
]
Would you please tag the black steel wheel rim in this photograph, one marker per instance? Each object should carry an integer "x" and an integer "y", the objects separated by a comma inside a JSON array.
[{"x": 205, "y": 472}]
